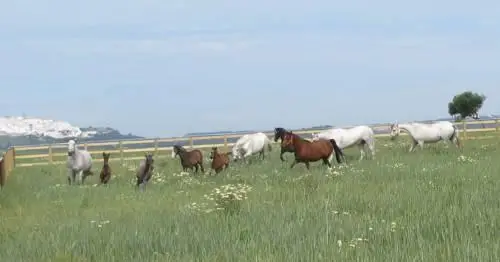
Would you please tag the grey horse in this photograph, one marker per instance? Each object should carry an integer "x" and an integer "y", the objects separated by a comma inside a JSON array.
[
  {"x": 79, "y": 163},
  {"x": 145, "y": 170}
]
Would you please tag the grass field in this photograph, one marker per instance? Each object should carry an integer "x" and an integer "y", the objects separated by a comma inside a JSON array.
[{"x": 437, "y": 205}]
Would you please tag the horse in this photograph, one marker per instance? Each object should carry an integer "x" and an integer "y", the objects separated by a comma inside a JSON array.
[
  {"x": 279, "y": 133},
  {"x": 79, "y": 163},
  {"x": 145, "y": 170},
  {"x": 421, "y": 133},
  {"x": 105, "y": 175},
  {"x": 361, "y": 136},
  {"x": 250, "y": 144},
  {"x": 307, "y": 151},
  {"x": 189, "y": 159},
  {"x": 220, "y": 161}
]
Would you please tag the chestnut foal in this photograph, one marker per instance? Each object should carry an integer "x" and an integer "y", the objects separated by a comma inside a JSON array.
[
  {"x": 220, "y": 161},
  {"x": 106, "y": 169}
]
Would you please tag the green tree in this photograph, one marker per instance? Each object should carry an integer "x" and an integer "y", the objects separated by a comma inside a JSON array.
[
  {"x": 466, "y": 104},
  {"x": 452, "y": 110}
]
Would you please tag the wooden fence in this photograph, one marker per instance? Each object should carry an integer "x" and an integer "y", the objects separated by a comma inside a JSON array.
[
  {"x": 118, "y": 149},
  {"x": 7, "y": 163}
]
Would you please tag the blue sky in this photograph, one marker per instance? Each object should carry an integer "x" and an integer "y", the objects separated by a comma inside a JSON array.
[{"x": 163, "y": 68}]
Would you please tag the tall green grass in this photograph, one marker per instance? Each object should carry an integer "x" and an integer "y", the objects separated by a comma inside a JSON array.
[{"x": 439, "y": 204}]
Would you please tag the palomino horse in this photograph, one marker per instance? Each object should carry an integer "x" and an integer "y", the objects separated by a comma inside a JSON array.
[
  {"x": 220, "y": 161},
  {"x": 79, "y": 163},
  {"x": 145, "y": 171},
  {"x": 105, "y": 175},
  {"x": 279, "y": 133},
  {"x": 427, "y": 133},
  {"x": 189, "y": 159},
  {"x": 362, "y": 136},
  {"x": 307, "y": 151},
  {"x": 251, "y": 144}
]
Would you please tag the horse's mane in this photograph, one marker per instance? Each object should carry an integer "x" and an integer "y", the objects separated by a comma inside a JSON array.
[
  {"x": 297, "y": 136},
  {"x": 181, "y": 148}
]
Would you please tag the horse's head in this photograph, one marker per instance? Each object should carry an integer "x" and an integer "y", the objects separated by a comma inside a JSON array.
[
  {"x": 71, "y": 147},
  {"x": 214, "y": 152},
  {"x": 395, "y": 130},
  {"x": 175, "y": 150},
  {"x": 149, "y": 159},
  {"x": 278, "y": 133},
  {"x": 237, "y": 152},
  {"x": 105, "y": 156}
]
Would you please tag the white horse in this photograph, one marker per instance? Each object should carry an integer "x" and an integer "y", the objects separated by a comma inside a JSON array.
[
  {"x": 79, "y": 163},
  {"x": 427, "y": 133},
  {"x": 362, "y": 136},
  {"x": 251, "y": 144}
]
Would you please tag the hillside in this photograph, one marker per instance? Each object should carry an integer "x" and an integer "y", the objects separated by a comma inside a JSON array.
[{"x": 33, "y": 131}]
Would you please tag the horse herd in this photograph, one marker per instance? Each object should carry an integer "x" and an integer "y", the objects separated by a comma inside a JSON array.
[{"x": 323, "y": 146}]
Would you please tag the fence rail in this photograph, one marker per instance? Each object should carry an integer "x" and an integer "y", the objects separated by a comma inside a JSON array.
[
  {"x": 48, "y": 154},
  {"x": 7, "y": 163}
]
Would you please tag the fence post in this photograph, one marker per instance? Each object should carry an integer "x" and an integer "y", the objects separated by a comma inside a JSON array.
[
  {"x": 156, "y": 147},
  {"x": 13, "y": 157},
  {"x": 496, "y": 125},
  {"x": 51, "y": 159},
  {"x": 464, "y": 126},
  {"x": 10, "y": 160},
  {"x": 85, "y": 146},
  {"x": 191, "y": 142},
  {"x": 120, "y": 147},
  {"x": 2, "y": 171},
  {"x": 225, "y": 143}
]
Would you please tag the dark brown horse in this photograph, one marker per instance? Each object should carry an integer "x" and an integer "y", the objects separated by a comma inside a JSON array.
[
  {"x": 279, "y": 133},
  {"x": 106, "y": 169},
  {"x": 145, "y": 170},
  {"x": 189, "y": 159},
  {"x": 306, "y": 151},
  {"x": 220, "y": 161}
]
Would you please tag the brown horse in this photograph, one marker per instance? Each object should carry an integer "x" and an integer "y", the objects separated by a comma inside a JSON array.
[
  {"x": 306, "y": 151},
  {"x": 106, "y": 169},
  {"x": 279, "y": 133},
  {"x": 189, "y": 159},
  {"x": 220, "y": 161},
  {"x": 145, "y": 170}
]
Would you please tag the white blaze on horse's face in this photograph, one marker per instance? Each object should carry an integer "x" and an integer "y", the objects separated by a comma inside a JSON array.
[{"x": 71, "y": 147}]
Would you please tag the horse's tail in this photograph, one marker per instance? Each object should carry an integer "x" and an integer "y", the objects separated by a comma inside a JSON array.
[
  {"x": 338, "y": 151},
  {"x": 455, "y": 137}
]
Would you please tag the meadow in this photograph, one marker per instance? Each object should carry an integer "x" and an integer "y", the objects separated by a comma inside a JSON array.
[{"x": 440, "y": 204}]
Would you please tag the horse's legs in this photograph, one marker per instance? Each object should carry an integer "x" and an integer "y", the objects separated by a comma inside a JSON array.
[
  {"x": 326, "y": 161},
  {"x": 307, "y": 164},
  {"x": 371, "y": 146},
  {"x": 361, "y": 147},
  {"x": 293, "y": 164},
  {"x": 413, "y": 145},
  {"x": 281, "y": 155},
  {"x": 421, "y": 144},
  {"x": 196, "y": 168},
  {"x": 71, "y": 176},
  {"x": 202, "y": 168}
]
